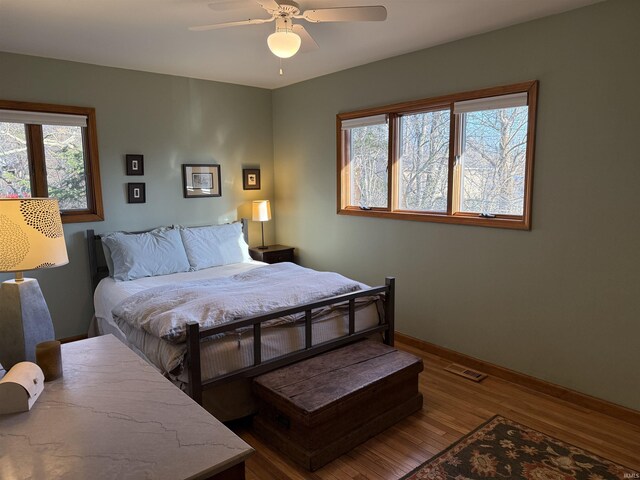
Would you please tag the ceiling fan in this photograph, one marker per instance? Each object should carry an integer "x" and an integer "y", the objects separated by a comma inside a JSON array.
[{"x": 288, "y": 38}]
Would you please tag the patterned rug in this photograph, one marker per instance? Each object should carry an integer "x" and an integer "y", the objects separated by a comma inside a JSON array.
[{"x": 503, "y": 449}]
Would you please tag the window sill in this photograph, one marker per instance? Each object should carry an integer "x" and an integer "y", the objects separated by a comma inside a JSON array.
[
  {"x": 80, "y": 217},
  {"x": 513, "y": 223}
]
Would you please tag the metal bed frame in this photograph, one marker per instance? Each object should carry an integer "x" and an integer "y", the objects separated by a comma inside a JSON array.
[{"x": 195, "y": 335}]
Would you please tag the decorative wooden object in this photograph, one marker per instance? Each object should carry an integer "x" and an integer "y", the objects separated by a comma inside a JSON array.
[
  {"x": 20, "y": 388},
  {"x": 49, "y": 359},
  {"x": 318, "y": 409}
]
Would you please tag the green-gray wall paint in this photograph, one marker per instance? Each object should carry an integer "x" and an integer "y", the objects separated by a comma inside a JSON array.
[
  {"x": 171, "y": 121},
  {"x": 561, "y": 302}
]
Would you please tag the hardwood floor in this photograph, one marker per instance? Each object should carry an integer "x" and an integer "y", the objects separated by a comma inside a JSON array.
[{"x": 453, "y": 406}]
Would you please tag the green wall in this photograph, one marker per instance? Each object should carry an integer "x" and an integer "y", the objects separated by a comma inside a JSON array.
[
  {"x": 171, "y": 121},
  {"x": 561, "y": 302}
]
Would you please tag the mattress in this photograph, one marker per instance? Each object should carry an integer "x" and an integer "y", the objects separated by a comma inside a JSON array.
[{"x": 230, "y": 352}]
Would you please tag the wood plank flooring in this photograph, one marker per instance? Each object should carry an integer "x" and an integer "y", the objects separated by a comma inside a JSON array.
[{"x": 453, "y": 406}]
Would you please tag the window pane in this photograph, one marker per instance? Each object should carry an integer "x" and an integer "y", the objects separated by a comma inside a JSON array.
[
  {"x": 369, "y": 160},
  {"x": 64, "y": 157},
  {"x": 424, "y": 161},
  {"x": 14, "y": 163},
  {"x": 493, "y": 161}
]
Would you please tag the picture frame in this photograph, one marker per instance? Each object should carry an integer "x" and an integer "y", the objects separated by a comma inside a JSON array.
[
  {"x": 136, "y": 193},
  {"x": 200, "y": 180},
  {"x": 135, "y": 164},
  {"x": 251, "y": 179}
]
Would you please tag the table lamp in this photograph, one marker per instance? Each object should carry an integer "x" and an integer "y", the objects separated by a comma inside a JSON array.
[
  {"x": 261, "y": 212},
  {"x": 31, "y": 238}
]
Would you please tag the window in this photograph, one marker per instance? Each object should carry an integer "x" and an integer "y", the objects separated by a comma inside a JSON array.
[
  {"x": 464, "y": 158},
  {"x": 367, "y": 141},
  {"x": 51, "y": 151},
  {"x": 423, "y": 161}
]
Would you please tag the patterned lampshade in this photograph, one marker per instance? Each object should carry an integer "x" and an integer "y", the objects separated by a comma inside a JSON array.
[{"x": 31, "y": 235}]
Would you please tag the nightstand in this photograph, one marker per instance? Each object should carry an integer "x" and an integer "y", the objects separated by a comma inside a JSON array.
[{"x": 274, "y": 254}]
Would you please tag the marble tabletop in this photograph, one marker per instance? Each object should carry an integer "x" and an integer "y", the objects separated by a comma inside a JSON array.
[{"x": 113, "y": 416}]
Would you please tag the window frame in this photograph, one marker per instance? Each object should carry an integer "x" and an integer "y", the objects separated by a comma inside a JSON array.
[
  {"x": 37, "y": 164},
  {"x": 452, "y": 215}
]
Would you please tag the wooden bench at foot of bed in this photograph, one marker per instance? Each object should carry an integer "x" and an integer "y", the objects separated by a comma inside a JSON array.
[{"x": 317, "y": 409}]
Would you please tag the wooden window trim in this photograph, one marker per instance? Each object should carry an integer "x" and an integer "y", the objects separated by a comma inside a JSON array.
[
  {"x": 394, "y": 112},
  {"x": 37, "y": 165}
]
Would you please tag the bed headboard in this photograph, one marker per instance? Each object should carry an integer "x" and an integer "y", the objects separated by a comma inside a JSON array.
[{"x": 98, "y": 265}]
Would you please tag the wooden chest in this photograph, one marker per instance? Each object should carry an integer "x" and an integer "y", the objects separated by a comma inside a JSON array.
[{"x": 318, "y": 409}]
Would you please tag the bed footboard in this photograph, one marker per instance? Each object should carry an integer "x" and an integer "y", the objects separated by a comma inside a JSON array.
[{"x": 195, "y": 336}]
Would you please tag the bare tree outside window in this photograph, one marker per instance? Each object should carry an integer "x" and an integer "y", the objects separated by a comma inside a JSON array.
[
  {"x": 424, "y": 161},
  {"x": 51, "y": 151},
  {"x": 369, "y": 162},
  {"x": 493, "y": 161},
  {"x": 464, "y": 158},
  {"x": 15, "y": 179},
  {"x": 64, "y": 158}
]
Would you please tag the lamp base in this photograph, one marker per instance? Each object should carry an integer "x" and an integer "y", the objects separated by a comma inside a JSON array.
[
  {"x": 24, "y": 321},
  {"x": 263, "y": 247}
]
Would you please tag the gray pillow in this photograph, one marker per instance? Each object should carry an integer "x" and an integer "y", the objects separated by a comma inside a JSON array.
[
  {"x": 107, "y": 257},
  {"x": 214, "y": 245},
  {"x": 158, "y": 252}
]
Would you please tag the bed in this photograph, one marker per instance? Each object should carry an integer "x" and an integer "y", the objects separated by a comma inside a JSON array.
[{"x": 234, "y": 324}]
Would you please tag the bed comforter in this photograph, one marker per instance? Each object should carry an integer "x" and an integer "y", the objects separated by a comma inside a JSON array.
[{"x": 164, "y": 312}]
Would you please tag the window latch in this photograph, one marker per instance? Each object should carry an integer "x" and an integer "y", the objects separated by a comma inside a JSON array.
[
  {"x": 362, "y": 207},
  {"x": 487, "y": 215}
]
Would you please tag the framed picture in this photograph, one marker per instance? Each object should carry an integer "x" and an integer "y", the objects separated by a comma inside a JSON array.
[
  {"x": 251, "y": 179},
  {"x": 201, "y": 181},
  {"x": 136, "y": 193},
  {"x": 135, "y": 164}
]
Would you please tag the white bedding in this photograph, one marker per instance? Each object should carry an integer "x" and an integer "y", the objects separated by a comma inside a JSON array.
[
  {"x": 165, "y": 311},
  {"x": 222, "y": 355},
  {"x": 110, "y": 293}
]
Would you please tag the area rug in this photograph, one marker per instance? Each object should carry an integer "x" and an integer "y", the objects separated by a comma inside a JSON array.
[{"x": 503, "y": 449}]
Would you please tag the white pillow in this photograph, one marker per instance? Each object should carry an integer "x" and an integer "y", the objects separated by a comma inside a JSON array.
[
  {"x": 158, "y": 252},
  {"x": 214, "y": 245}
]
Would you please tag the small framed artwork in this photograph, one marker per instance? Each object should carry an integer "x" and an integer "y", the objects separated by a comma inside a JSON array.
[
  {"x": 135, "y": 164},
  {"x": 201, "y": 181},
  {"x": 136, "y": 193},
  {"x": 251, "y": 179}
]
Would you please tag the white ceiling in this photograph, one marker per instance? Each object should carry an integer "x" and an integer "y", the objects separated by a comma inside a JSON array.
[{"x": 152, "y": 35}]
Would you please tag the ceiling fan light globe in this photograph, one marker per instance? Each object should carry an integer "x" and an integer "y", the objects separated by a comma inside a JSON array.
[{"x": 284, "y": 44}]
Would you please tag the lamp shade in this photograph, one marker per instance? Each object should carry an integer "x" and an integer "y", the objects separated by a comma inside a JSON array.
[
  {"x": 31, "y": 235},
  {"x": 284, "y": 44},
  {"x": 261, "y": 211}
]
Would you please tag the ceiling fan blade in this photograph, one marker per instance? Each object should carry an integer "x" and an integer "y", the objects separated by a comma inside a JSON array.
[
  {"x": 346, "y": 14},
  {"x": 308, "y": 43},
  {"x": 269, "y": 5},
  {"x": 223, "y": 5},
  {"x": 251, "y": 21}
]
